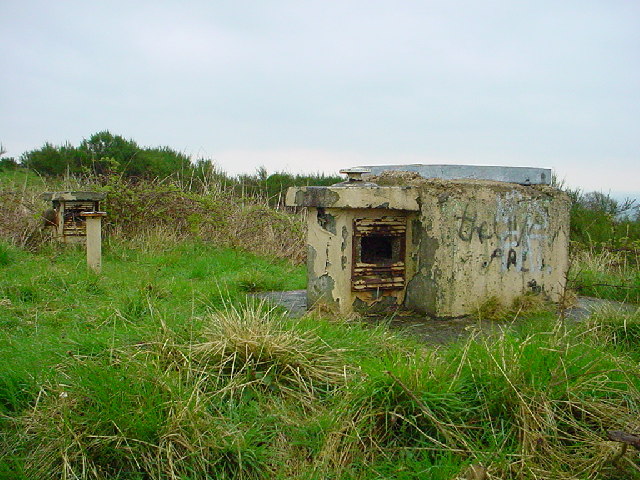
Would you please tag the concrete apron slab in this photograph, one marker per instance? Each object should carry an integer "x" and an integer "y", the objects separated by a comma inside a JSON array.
[
  {"x": 437, "y": 331},
  {"x": 293, "y": 301}
]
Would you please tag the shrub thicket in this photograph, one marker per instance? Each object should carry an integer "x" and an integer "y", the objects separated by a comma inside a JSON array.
[
  {"x": 8, "y": 164},
  {"x": 605, "y": 239},
  {"x": 599, "y": 219},
  {"x": 161, "y": 211},
  {"x": 156, "y": 194},
  {"x": 104, "y": 153},
  {"x": 167, "y": 211}
]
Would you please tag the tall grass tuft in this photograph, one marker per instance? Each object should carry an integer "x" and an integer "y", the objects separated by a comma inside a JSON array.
[
  {"x": 165, "y": 409},
  {"x": 617, "y": 328},
  {"x": 604, "y": 273},
  {"x": 6, "y": 254},
  {"x": 537, "y": 406},
  {"x": 251, "y": 348}
]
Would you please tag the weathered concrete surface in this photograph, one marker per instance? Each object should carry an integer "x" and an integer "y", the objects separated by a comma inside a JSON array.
[
  {"x": 482, "y": 239},
  {"x": 94, "y": 239},
  {"x": 463, "y": 242},
  {"x": 519, "y": 175},
  {"x": 293, "y": 301},
  {"x": 589, "y": 305},
  {"x": 393, "y": 197},
  {"x": 330, "y": 261},
  {"x": 73, "y": 196}
]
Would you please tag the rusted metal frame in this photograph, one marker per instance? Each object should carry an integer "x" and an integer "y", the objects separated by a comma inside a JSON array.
[
  {"x": 373, "y": 276},
  {"x": 73, "y": 223}
]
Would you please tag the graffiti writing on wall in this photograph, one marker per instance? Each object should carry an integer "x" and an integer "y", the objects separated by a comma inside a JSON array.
[
  {"x": 470, "y": 226},
  {"x": 517, "y": 230}
]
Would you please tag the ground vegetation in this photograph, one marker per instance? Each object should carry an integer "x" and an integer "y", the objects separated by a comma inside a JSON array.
[{"x": 163, "y": 367}]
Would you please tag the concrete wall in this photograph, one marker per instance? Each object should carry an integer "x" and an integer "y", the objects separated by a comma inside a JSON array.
[
  {"x": 466, "y": 241},
  {"x": 330, "y": 260},
  {"x": 475, "y": 240},
  {"x": 331, "y": 213}
]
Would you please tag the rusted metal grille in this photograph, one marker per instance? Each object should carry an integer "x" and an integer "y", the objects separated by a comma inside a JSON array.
[
  {"x": 378, "y": 253},
  {"x": 74, "y": 224}
]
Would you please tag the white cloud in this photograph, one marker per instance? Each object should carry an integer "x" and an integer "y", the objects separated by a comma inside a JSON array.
[{"x": 303, "y": 85}]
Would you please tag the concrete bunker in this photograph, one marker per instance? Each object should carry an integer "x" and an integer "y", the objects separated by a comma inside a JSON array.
[
  {"x": 66, "y": 218},
  {"x": 437, "y": 246}
]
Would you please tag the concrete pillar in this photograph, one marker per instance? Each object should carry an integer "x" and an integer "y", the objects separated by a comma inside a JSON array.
[{"x": 94, "y": 239}]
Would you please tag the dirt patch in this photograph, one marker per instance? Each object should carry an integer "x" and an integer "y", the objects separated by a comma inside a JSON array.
[{"x": 440, "y": 331}]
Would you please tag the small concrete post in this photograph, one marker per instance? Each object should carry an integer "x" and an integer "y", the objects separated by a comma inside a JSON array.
[{"x": 94, "y": 239}]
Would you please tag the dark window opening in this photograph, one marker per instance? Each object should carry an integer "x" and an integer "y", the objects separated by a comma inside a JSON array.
[
  {"x": 378, "y": 253},
  {"x": 376, "y": 249},
  {"x": 74, "y": 223}
]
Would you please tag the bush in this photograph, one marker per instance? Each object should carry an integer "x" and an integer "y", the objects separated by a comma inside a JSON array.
[
  {"x": 166, "y": 211},
  {"x": 104, "y": 154},
  {"x": 598, "y": 219},
  {"x": 136, "y": 207},
  {"x": 261, "y": 229},
  {"x": 21, "y": 219}
]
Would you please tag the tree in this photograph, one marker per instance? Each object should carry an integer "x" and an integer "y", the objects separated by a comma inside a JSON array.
[
  {"x": 48, "y": 160},
  {"x": 103, "y": 154},
  {"x": 601, "y": 202}
]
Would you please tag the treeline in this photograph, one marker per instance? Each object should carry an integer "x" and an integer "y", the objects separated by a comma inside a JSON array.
[
  {"x": 103, "y": 156},
  {"x": 596, "y": 218}
]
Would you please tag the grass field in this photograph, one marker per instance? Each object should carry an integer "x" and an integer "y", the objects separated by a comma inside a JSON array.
[
  {"x": 53, "y": 307},
  {"x": 161, "y": 368}
]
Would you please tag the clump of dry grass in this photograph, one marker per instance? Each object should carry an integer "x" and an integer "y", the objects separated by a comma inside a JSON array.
[
  {"x": 600, "y": 260},
  {"x": 606, "y": 273},
  {"x": 537, "y": 407},
  {"x": 491, "y": 309},
  {"x": 21, "y": 221},
  {"x": 174, "y": 431},
  {"x": 161, "y": 212},
  {"x": 166, "y": 409},
  {"x": 261, "y": 229},
  {"x": 617, "y": 326},
  {"x": 251, "y": 347}
]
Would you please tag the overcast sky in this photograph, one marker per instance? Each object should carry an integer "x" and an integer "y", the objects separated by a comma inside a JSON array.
[{"x": 309, "y": 86}]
